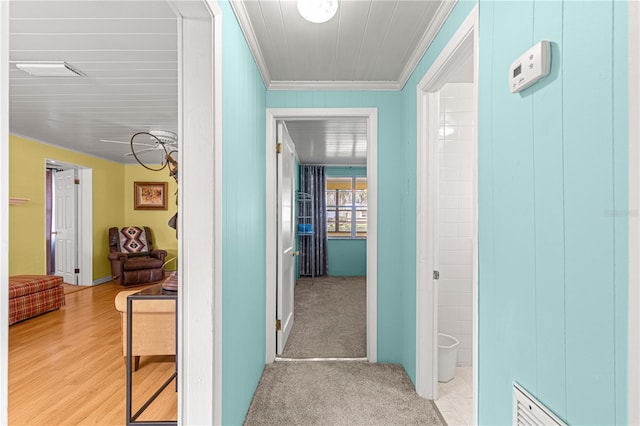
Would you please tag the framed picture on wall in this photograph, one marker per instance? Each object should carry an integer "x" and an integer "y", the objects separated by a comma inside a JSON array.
[{"x": 150, "y": 195}]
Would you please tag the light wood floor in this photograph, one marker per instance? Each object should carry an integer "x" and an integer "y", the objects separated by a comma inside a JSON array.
[{"x": 66, "y": 367}]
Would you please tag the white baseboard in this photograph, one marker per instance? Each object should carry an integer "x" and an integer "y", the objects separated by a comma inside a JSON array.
[{"x": 101, "y": 280}]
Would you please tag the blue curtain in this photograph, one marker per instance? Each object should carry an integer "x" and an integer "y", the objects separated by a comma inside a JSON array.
[{"x": 313, "y": 249}]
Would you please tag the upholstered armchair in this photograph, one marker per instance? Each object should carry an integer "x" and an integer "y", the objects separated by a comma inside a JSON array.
[
  {"x": 154, "y": 327},
  {"x": 132, "y": 256}
]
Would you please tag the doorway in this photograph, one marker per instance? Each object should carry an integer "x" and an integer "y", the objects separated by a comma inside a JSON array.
[
  {"x": 200, "y": 368},
  {"x": 273, "y": 116},
  {"x": 69, "y": 222},
  {"x": 447, "y": 208},
  {"x": 322, "y": 220}
]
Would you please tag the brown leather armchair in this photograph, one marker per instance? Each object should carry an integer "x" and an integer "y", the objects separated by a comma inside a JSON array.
[{"x": 133, "y": 259}]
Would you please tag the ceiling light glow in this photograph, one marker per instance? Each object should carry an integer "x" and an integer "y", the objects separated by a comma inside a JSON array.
[
  {"x": 48, "y": 69},
  {"x": 317, "y": 11}
]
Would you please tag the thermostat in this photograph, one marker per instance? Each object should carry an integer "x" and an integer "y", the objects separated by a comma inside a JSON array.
[{"x": 533, "y": 65}]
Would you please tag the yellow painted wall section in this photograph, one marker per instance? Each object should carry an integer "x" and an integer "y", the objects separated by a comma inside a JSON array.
[
  {"x": 165, "y": 237},
  {"x": 27, "y": 243}
]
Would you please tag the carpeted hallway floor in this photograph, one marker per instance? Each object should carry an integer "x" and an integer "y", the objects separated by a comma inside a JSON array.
[
  {"x": 329, "y": 319},
  {"x": 338, "y": 393}
]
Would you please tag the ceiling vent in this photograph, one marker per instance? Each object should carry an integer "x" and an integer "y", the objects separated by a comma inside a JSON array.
[{"x": 49, "y": 69}]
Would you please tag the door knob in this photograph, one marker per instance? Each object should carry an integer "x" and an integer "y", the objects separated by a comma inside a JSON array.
[{"x": 296, "y": 253}]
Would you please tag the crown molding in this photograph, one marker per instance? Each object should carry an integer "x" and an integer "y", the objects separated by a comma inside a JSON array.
[
  {"x": 333, "y": 85},
  {"x": 250, "y": 35},
  {"x": 429, "y": 35}
]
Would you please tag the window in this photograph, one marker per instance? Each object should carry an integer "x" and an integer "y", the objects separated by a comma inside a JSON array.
[{"x": 346, "y": 207}]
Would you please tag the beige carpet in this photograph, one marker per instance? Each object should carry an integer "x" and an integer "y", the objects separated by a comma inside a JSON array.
[
  {"x": 329, "y": 319},
  {"x": 338, "y": 393}
]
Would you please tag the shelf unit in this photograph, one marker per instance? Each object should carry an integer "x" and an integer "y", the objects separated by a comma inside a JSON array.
[
  {"x": 16, "y": 201},
  {"x": 305, "y": 229}
]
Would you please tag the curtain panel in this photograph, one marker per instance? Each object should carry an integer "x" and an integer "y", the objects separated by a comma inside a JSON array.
[{"x": 312, "y": 181}]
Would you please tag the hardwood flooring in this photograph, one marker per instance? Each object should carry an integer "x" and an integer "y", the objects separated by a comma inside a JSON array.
[{"x": 66, "y": 367}]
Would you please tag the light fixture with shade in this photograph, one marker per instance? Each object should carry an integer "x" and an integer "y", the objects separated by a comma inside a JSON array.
[
  {"x": 317, "y": 11},
  {"x": 49, "y": 69}
]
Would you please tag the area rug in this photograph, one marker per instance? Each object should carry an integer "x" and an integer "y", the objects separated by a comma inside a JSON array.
[{"x": 338, "y": 393}]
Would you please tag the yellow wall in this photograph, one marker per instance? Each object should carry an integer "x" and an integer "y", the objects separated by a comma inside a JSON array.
[
  {"x": 27, "y": 243},
  {"x": 165, "y": 237}
]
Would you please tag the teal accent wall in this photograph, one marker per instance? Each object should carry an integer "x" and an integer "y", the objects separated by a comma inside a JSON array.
[
  {"x": 393, "y": 193},
  {"x": 244, "y": 228},
  {"x": 347, "y": 257},
  {"x": 357, "y": 171},
  {"x": 553, "y": 212}
]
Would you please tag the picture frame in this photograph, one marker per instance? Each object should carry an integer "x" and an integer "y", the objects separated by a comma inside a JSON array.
[{"x": 150, "y": 195}]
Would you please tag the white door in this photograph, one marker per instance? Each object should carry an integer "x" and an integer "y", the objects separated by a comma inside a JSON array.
[
  {"x": 65, "y": 226},
  {"x": 286, "y": 235}
]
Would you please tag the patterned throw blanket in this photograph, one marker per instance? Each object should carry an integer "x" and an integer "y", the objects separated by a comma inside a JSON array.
[{"x": 133, "y": 239}]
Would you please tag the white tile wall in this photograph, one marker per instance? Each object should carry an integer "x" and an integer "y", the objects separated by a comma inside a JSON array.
[{"x": 456, "y": 216}]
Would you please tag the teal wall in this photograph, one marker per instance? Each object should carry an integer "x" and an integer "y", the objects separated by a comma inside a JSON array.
[
  {"x": 553, "y": 212},
  {"x": 552, "y": 208},
  {"x": 244, "y": 228},
  {"x": 393, "y": 193},
  {"x": 347, "y": 257}
]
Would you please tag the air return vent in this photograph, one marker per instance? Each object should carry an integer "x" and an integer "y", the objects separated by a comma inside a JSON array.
[{"x": 528, "y": 411}]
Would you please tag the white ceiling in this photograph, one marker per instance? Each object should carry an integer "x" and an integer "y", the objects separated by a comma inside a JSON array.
[
  {"x": 128, "y": 52},
  {"x": 335, "y": 142},
  {"x": 126, "y": 49},
  {"x": 368, "y": 44}
]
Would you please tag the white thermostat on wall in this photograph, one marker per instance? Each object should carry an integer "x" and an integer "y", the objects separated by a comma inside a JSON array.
[{"x": 533, "y": 65}]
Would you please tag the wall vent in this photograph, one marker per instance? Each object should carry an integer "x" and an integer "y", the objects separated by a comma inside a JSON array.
[{"x": 528, "y": 411}]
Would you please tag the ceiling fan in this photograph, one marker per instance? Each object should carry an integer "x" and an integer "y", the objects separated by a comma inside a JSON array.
[{"x": 153, "y": 140}]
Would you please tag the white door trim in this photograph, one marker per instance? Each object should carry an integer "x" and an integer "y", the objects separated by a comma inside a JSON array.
[
  {"x": 84, "y": 217},
  {"x": 463, "y": 42},
  {"x": 634, "y": 216},
  {"x": 85, "y": 226},
  {"x": 274, "y": 114},
  {"x": 4, "y": 209},
  {"x": 200, "y": 367},
  {"x": 200, "y": 218}
]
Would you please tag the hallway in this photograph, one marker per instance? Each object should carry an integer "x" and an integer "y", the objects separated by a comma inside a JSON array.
[{"x": 338, "y": 393}]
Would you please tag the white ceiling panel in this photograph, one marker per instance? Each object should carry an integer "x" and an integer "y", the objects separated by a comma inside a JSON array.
[
  {"x": 333, "y": 142},
  {"x": 368, "y": 44},
  {"x": 127, "y": 51}
]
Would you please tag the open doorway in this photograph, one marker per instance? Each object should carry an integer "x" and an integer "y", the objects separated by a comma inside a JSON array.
[
  {"x": 447, "y": 218},
  {"x": 322, "y": 236},
  {"x": 293, "y": 119},
  {"x": 69, "y": 222}
]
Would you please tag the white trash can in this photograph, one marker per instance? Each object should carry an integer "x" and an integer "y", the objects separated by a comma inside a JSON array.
[{"x": 447, "y": 357}]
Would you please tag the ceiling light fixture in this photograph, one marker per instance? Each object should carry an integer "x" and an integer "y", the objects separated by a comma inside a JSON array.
[
  {"x": 317, "y": 11},
  {"x": 49, "y": 69}
]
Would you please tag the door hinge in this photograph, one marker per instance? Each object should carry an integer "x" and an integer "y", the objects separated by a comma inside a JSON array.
[
  {"x": 77, "y": 270},
  {"x": 76, "y": 181},
  {"x": 436, "y": 275},
  {"x": 278, "y": 325},
  {"x": 278, "y": 148}
]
